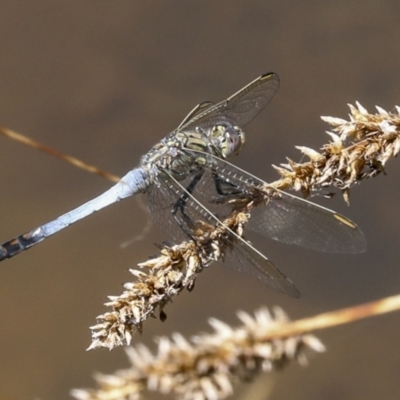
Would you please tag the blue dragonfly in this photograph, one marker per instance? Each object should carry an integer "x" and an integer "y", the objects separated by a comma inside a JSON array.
[{"x": 187, "y": 179}]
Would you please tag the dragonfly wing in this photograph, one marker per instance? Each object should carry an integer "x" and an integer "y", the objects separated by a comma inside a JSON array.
[
  {"x": 246, "y": 259},
  {"x": 240, "y": 108},
  {"x": 284, "y": 217},
  {"x": 293, "y": 220},
  {"x": 196, "y": 110},
  {"x": 161, "y": 199}
]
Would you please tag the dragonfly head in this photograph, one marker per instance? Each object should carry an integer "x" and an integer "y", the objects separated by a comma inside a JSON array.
[{"x": 227, "y": 139}]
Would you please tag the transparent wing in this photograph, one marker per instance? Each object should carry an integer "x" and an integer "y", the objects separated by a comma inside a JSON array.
[
  {"x": 292, "y": 220},
  {"x": 284, "y": 217},
  {"x": 245, "y": 259},
  {"x": 161, "y": 200},
  {"x": 238, "y": 109},
  {"x": 240, "y": 255},
  {"x": 196, "y": 110}
]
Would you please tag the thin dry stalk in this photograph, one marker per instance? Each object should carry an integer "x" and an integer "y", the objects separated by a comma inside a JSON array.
[{"x": 58, "y": 154}]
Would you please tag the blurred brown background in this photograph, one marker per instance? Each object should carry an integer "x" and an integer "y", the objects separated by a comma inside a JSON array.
[{"x": 106, "y": 80}]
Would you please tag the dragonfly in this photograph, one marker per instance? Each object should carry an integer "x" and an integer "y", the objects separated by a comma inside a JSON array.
[{"x": 187, "y": 178}]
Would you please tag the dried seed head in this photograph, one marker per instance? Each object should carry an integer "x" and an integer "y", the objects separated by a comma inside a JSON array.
[{"x": 206, "y": 366}]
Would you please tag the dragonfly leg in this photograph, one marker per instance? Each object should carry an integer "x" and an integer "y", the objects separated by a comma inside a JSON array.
[
  {"x": 185, "y": 222},
  {"x": 219, "y": 182}
]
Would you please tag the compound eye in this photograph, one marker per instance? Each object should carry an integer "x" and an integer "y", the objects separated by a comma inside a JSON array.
[
  {"x": 227, "y": 139},
  {"x": 234, "y": 140}
]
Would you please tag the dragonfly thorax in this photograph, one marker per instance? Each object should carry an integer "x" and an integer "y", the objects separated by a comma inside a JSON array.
[{"x": 226, "y": 139}]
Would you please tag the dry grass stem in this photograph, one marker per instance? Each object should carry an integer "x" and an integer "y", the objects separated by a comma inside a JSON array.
[
  {"x": 58, "y": 154},
  {"x": 375, "y": 138},
  {"x": 206, "y": 366},
  {"x": 337, "y": 317}
]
